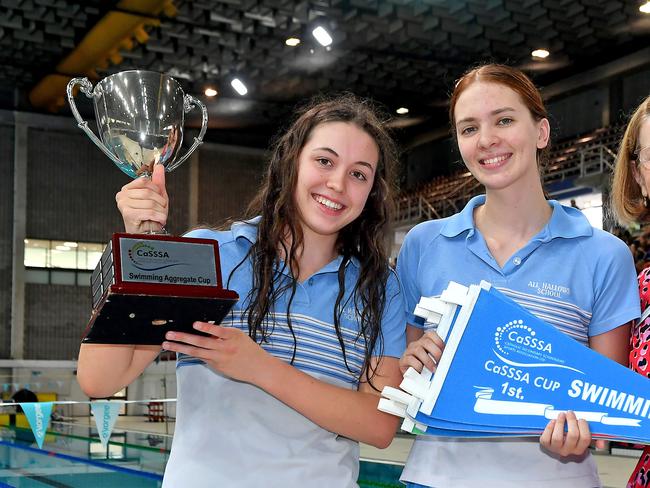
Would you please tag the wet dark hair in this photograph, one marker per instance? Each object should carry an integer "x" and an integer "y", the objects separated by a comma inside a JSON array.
[{"x": 363, "y": 239}]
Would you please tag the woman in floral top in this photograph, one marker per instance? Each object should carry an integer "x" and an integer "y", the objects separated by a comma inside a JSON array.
[{"x": 630, "y": 204}]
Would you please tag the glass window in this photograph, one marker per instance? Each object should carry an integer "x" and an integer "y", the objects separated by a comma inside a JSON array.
[
  {"x": 63, "y": 255},
  {"x": 83, "y": 278},
  {"x": 44, "y": 257},
  {"x": 38, "y": 276},
  {"x": 88, "y": 255},
  {"x": 41, "y": 253},
  {"x": 63, "y": 277},
  {"x": 36, "y": 253}
]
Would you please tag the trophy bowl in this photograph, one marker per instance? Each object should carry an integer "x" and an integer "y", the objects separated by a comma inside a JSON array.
[{"x": 140, "y": 119}]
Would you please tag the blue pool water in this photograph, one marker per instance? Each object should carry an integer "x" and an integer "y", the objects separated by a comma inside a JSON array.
[{"x": 72, "y": 457}]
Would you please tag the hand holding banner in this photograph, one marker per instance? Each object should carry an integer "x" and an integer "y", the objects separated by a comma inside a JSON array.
[{"x": 506, "y": 372}]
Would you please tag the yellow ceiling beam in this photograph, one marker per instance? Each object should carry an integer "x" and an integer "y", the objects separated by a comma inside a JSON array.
[{"x": 117, "y": 30}]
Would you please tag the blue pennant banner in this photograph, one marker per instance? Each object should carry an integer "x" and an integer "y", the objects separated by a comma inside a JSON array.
[
  {"x": 505, "y": 372},
  {"x": 38, "y": 416},
  {"x": 105, "y": 414}
]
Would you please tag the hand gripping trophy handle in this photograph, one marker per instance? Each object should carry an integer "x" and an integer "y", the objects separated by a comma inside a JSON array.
[
  {"x": 134, "y": 158},
  {"x": 86, "y": 88},
  {"x": 147, "y": 285}
]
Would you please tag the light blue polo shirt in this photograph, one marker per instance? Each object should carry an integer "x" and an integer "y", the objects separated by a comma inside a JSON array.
[
  {"x": 575, "y": 277},
  {"x": 230, "y": 433},
  {"x": 580, "y": 279}
]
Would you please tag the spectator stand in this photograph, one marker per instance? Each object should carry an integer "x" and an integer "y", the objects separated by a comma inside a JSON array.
[{"x": 580, "y": 161}]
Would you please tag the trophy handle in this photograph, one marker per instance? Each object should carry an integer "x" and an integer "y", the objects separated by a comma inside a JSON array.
[
  {"x": 87, "y": 88},
  {"x": 189, "y": 102}
]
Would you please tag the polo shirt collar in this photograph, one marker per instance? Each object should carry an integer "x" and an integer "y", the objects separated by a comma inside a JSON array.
[
  {"x": 566, "y": 222},
  {"x": 463, "y": 220},
  {"x": 248, "y": 230}
]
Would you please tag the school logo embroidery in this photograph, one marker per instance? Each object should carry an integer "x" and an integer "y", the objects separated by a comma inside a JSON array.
[
  {"x": 551, "y": 290},
  {"x": 349, "y": 313}
]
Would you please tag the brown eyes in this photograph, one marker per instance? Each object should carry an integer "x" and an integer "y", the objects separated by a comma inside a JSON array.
[{"x": 359, "y": 175}]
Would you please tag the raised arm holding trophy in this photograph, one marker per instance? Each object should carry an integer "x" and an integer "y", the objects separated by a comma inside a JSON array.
[
  {"x": 147, "y": 284},
  {"x": 285, "y": 388}
]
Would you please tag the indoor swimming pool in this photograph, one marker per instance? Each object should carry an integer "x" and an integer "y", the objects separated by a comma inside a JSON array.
[{"x": 73, "y": 457}]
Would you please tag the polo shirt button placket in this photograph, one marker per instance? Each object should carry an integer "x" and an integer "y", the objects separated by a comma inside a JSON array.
[
  {"x": 310, "y": 282},
  {"x": 517, "y": 261}
]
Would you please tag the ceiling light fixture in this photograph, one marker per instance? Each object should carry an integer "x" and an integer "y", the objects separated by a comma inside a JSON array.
[
  {"x": 292, "y": 41},
  {"x": 540, "y": 53},
  {"x": 210, "y": 92},
  {"x": 239, "y": 86},
  {"x": 645, "y": 8},
  {"x": 402, "y": 110},
  {"x": 322, "y": 36}
]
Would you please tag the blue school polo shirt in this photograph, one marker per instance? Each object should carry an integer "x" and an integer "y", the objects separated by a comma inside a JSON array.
[
  {"x": 230, "y": 433},
  {"x": 312, "y": 310},
  {"x": 575, "y": 277}
]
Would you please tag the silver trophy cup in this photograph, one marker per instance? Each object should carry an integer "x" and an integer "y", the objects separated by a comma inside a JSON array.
[
  {"x": 140, "y": 117},
  {"x": 146, "y": 285}
]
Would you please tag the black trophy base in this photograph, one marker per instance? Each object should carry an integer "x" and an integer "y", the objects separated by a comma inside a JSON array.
[{"x": 145, "y": 319}]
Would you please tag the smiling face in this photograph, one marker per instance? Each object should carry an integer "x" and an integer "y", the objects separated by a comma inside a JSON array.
[
  {"x": 498, "y": 137},
  {"x": 336, "y": 171}
]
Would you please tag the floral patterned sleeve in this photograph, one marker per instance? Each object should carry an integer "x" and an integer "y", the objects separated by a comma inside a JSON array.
[
  {"x": 640, "y": 337},
  {"x": 639, "y": 356}
]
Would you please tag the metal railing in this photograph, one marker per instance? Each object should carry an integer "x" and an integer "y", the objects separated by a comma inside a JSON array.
[
  {"x": 579, "y": 158},
  {"x": 592, "y": 160},
  {"x": 419, "y": 207}
]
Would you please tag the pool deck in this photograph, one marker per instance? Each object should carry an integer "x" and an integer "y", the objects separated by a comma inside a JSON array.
[{"x": 614, "y": 470}]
